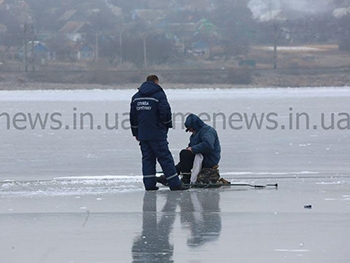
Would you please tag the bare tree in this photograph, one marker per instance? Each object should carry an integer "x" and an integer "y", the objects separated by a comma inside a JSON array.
[{"x": 271, "y": 14}]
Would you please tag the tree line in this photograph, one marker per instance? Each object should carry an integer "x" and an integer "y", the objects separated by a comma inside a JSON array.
[{"x": 154, "y": 38}]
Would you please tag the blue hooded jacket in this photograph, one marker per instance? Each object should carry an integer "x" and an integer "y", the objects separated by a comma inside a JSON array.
[
  {"x": 205, "y": 141},
  {"x": 150, "y": 113}
]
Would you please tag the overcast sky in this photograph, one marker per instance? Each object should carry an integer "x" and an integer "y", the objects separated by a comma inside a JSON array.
[{"x": 260, "y": 8}]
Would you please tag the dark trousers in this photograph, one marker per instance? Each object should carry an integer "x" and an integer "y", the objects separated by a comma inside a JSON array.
[
  {"x": 151, "y": 152},
  {"x": 186, "y": 162}
]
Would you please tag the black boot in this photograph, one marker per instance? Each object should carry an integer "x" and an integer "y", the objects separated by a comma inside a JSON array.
[
  {"x": 181, "y": 187},
  {"x": 186, "y": 178},
  {"x": 161, "y": 179},
  {"x": 154, "y": 188}
]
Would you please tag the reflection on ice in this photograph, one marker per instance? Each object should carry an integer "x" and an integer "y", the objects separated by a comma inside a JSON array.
[{"x": 199, "y": 214}]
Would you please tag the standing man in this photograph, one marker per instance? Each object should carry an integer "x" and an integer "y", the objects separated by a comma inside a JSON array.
[{"x": 150, "y": 119}]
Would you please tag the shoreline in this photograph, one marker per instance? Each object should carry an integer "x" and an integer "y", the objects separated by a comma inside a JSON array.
[
  {"x": 281, "y": 78},
  {"x": 5, "y": 86},
  {"x": 166, "y": 87}
]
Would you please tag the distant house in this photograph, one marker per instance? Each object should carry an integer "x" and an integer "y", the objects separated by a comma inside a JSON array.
[
  {"x": 8, "y": 53},
  {"x": 82, "y": 51},
  {"x": 147, "y": 14},
  {"x": 201, "y": 48},
  {"x": 187, "y": 29},
  {"x": 116, "y": 10},
  {"x": 154, "y": 17},
  {"x": 36, "y": 50},
  {"x": 75, "y": 31},
  {"x": 207, "y": 28},
  {"x": 46, "y": 35},
  {"x": 72, "y": 15}
]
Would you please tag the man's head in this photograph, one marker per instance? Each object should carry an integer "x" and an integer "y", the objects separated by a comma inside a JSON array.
[
  {"x": 190, "y": 129},
  {"x": 193, "y": 123},
  {"x": 153, "y": 78}
]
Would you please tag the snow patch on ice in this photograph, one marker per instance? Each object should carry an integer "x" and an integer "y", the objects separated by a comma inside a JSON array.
[
  {"x": 329, "y": 183},
  {"x": 270, "y": 173},
  {"x": 73, "y": 186},
  {"x": 291, "y": 250},
  {"x": 102, "y": 177}
]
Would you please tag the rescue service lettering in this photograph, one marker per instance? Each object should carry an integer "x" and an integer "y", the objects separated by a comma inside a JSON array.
[{"x": 143, "y": 105}]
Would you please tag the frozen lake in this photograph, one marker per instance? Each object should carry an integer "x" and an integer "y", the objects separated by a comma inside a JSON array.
[{"x": 71, "y": 189}]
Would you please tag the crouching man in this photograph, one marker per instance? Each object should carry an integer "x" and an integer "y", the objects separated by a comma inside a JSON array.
[{"x": 199, "y": 162}]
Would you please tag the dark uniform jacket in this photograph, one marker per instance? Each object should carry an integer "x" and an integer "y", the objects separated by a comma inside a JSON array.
[
  {"x": 205, "y": 141},
  {"x": 150, "y": 113}
]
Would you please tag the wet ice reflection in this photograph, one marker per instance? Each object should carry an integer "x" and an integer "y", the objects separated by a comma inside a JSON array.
[{"x": 199, "y": 213}]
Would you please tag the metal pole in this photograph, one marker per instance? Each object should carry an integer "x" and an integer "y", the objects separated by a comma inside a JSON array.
[{"x": 145, "y": 52}]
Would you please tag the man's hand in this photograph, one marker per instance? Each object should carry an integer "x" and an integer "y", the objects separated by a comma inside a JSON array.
[{"x": 189, "y": 149}]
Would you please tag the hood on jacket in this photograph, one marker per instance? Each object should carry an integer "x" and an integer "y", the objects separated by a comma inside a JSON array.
[
  {"x": 149, "y": 87},
  {"x": 194, "y": 122}
]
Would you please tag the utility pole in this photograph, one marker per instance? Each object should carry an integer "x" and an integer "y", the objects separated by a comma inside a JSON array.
[
  {"x": 33, "y": 55},
  {"x": 275, "y": 39},
  {"x": 121, "y": 42},
  {"x": 121, "y": 48},
  {"x": 25, "y": 59},
  {"x": 96, "y": 47},
  {"x": 144, "y": 52}
]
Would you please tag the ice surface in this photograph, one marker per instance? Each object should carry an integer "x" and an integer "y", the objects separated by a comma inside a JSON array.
[
  {"x": 76, "y": 195},
  {"x": 174, "y": 93}
]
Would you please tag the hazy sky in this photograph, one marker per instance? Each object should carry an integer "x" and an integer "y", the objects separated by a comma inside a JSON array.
[{"x": 261, "y": 8}]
